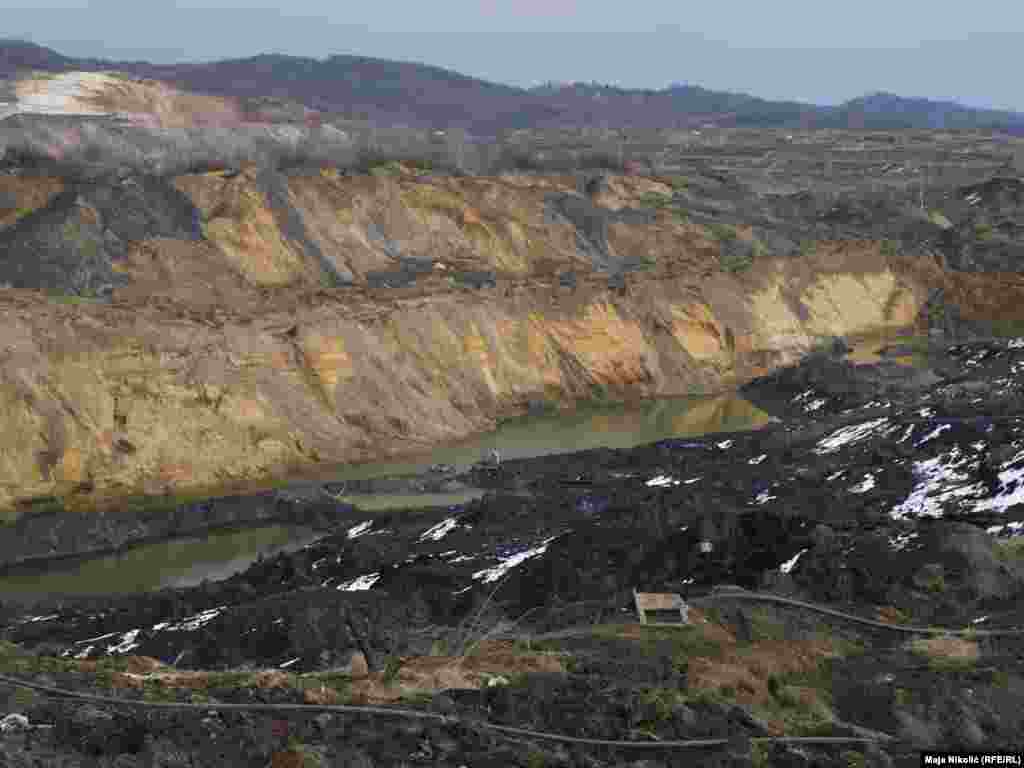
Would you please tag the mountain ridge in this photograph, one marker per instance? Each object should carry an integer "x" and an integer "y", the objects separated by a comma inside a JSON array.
[{"x": 378, "y": 89}]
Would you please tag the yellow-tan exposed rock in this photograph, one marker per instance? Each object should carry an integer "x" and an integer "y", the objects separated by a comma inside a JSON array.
[
  {"x": 21, "y": 196},
  {"x": 225, "y": 360}
]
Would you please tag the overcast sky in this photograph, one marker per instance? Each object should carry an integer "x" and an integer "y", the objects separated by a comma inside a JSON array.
[{"x": 809, "y": 50}]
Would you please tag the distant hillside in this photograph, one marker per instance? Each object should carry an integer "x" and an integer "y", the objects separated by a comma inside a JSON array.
[
  {"x": 403, "y": 93},
  {"x": 886, "y": 110}
]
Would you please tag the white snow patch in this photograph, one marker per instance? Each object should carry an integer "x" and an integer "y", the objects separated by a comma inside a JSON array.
[
  {"x": 1011, "y": 491},
  {"x": 33, "y": 619},
  {"x": 127, "y": 642},
  {"x": 1015, "y": 528},
  {"x": 845, "y": 435},
  {"x": 360, "y": 584},
  {"x": 935, "y": 432},
  {"x": 439, "y": 531},
  {"x": 358, "y": 530},
  {"x": 764, "y": 497},
  {"x": 900, "y": 541},
  {"x": 758, "y": 459},
  {"x": 95, "y": 639},
  {"x": 724, "y": 444},
  {"x": 662, "y": 481},
  {"x": 506, "y": 564},
  {"x": 193, "y": 623},
  {"x": 287, "y": 663},
  {"x": 84, "y": 652},
  {"x": 692, "y": 480},
  {"x": 926, "y": 413},
  {"x": 906, "y": 433},
  {"x": 938, "y": 481},
  {"x": 815, "y": 405},
  {"x": 834, "y": 475},
  {"x": 787, "y": 566},
  {"x": 865, "y": 485},
  {"x": 462, "y": 558},
  {"x": 980, "y": 620},
  {"x": 1017, "y": 343}
]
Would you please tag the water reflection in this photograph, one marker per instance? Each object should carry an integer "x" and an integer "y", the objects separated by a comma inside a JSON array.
[
  {"x": 585, "y": 427},
  {"x": 187, "y": 561},
  {"x": 177, "y": 563}
]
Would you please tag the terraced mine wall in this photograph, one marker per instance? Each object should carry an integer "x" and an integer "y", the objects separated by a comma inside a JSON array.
[{"x": 244, "y": 333}]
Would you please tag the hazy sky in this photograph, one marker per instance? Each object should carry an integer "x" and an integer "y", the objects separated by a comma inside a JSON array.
[{"x": 799, "y": 49}]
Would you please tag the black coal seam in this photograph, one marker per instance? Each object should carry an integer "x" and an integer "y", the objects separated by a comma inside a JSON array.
[{"x": 275, "y": 188}]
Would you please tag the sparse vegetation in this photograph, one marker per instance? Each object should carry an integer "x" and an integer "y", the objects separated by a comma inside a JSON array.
[
  {"x": 946, "y": 653},
  {"x": 392, "y": 667},
  {"x": 1009, "y": 550},
  {"x": 723, "y": 232},
  {"x": 983, "y": 231},
  {"x": 1008, "y": 328},
  {"x": 655, "y": 200},
  {"x": 889, "y": 247},
  {"x": 664, "y": 701},
  {"x": 74, "y": 299},
  {"x": 735, "y": 262},
  {"x": 764, "y": 627},
  {"x": 936, "y": 584},
  {"x": 389, "y": 168}
]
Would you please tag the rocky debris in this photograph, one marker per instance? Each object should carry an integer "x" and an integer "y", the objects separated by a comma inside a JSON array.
[{"x": 14, "y": 723}]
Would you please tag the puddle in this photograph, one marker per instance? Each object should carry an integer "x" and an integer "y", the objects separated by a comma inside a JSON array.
[{"x": 180, "y": 562}]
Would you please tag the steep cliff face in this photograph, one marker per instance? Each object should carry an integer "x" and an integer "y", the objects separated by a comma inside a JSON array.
[{"x": 224, "y": 358}]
